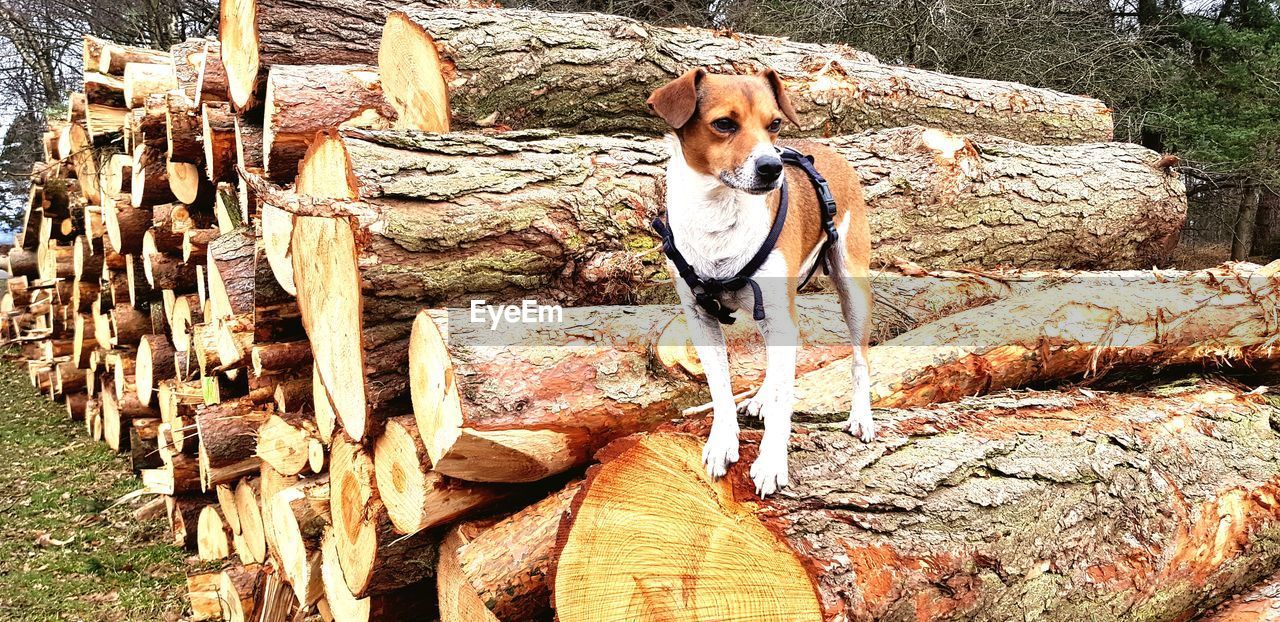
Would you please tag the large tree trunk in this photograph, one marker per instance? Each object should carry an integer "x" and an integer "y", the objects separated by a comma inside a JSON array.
[
  {"x": 569, "y": 215},
  {"x": 1246, "y": 219},
  {"x": 256, "y": 34},
  {"x": 593, "y": 73},
  {"x": 1045, "y": 506},
  {"x": 1266, "y": 234},
  {"x": 1084, "y": 327}
]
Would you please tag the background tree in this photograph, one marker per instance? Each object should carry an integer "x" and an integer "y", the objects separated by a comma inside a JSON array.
[{"x": 40, "y": 47}]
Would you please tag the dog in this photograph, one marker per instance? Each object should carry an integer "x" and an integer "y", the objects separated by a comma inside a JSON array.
[{"x": 723, "y": 186}]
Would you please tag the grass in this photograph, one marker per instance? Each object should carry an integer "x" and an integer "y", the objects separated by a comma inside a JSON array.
[{"x": 67, "y": 552}]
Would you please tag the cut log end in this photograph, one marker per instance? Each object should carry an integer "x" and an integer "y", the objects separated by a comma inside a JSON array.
[
  {"x": 693, "y": 528},
  {"x": 238, "y": 34},
  {"x": 413, "y": 76}
]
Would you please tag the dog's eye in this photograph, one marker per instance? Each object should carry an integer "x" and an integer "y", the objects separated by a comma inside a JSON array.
[
  {"x": 725, "y": 125},
  {"x": 775, "y": 126}
]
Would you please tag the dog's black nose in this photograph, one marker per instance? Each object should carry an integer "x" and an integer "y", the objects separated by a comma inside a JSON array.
[{"x": 768, "y": 169}]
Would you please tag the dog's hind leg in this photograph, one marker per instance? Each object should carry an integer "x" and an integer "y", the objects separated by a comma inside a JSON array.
[{"x": 853, "y": 284}]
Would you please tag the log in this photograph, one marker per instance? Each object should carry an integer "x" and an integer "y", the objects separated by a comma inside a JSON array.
[
  {"x": 1101, "y": 506},
  {"x": 595, "y": 72},
  {"x": 238, "y": 588},
  {"x": 150, "y": 183},
  {"x": 417, "y": 497},
  {"x": 498, "y": 571},
  {"x": 373, "y": 557},
  {"x": 213, "y": 541},
  {"x": 228, "y": 431},
  {"x": 453, "y": 264},
  {"x": 144, "y": 447},
  {"x": 1087, "y": 326},
  {"x": 154, "y": 363},
  {"x": 257, "y": 34},
  {"x": 299, "y": 516},
  {"x": 279, "y": 357},
  {"x": 183, "y": 130},
  {"x": 212, "y": 84},
  {"x": 305, "y": 99},
  {"x": 251, "y": 538},
  {"x": 187, "y": 58},
  {"x": 406, "y": 603},
  {"x": 494, "y": 409},
  {"x": 284, "y": 441},
  {"x": 114, "y": 58},
  {"x": 218, "y": 131},
  {"x": 142, "y": 79},
  {"x": 444, "y": 223},
  {"x": 184, "y": 518},
  {"x": 202, "y": 592}
]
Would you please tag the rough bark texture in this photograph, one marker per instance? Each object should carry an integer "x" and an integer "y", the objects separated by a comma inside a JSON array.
[
  {"x": 1084, "y": 327},
  {"x": 506, "y": 411},
  {"x": 305, "y": 99},
  {"x": 569, "y": 215},
  {"x": 1140, "y": 507},
  {"x": 498, "y": 571},
  {"x": 593, "y": 73}
]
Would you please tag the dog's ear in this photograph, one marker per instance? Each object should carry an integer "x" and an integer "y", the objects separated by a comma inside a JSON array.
[
  {"x": 677, "y": 100},
  {"x": 780, "y": 94}
]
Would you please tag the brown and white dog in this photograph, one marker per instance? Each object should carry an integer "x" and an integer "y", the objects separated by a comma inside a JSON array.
[{"x": 722, "y": 196}]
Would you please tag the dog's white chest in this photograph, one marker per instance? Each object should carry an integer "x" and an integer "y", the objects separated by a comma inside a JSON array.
[{"x": 717, "y": 229}]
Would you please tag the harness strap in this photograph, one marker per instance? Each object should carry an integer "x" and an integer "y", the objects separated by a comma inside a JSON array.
[
  {"x": 826, "y": 203},
  {"x": 706, "y": 291}
]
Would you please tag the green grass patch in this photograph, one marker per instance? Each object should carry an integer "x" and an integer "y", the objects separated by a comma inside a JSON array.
[{"x": 67, "y": 551}]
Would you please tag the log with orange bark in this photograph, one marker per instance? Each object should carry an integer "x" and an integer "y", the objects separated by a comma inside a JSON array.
[
  {"x": 1085, "y": 326},
  {"x": 1150, "y": 505}
]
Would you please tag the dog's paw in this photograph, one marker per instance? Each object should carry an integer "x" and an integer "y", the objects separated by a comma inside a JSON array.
[
  {"x": 860, "y": 423},
  {"x": 753, "y": 406},
  {"x": 769, "y": 471},
  {"x": 720, "y": 451}
]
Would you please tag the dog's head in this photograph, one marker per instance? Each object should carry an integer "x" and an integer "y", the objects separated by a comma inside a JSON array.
[{"x": 727, "y": 125}]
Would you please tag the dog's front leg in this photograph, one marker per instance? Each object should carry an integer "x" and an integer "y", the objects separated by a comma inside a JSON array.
[
  {"x": 721, "y": 449},
  {"x": 777, "y": 393}
]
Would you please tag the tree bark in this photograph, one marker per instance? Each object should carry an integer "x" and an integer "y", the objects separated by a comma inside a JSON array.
[
  {"x": 544, "y": 227},
  {"x": 228, "y": 431},
  {"x": 1058, "y": 507},
  {"x": 1246, "y": 218},
  {"x": 491, "y": 572},
  {"x": 305, "y": 99},
  {"x": 592, "y": 73},
  {"x": 1266, "y": 235},
  {"x": 257, "y": 34},
  {"x": 1082, "y": 328},
  {"x": 1258, "y": 605}
]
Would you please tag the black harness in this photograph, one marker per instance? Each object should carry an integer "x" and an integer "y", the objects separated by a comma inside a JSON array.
[{"x": 707, "y": 291}]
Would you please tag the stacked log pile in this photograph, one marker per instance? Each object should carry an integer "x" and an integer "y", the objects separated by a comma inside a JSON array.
[{"x": 247, "y": 270}]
